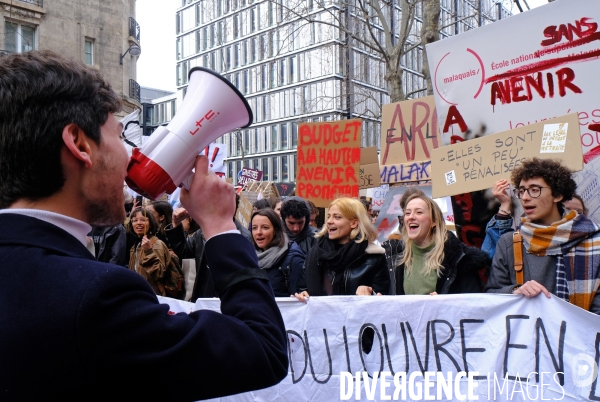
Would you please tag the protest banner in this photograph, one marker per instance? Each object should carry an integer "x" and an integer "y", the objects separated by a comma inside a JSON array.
[
  {"x": 216, "y": 154},
  {"x": 328, "y": 160},
  {"x": 483, "y": 86},
  {"x": 378, "y": 196},
  {"x": 249, "y": 175},
  {"x": 445, "y": 347},
  {"x": 244, "y": 211},
  {"x": 409, "y": 131},
  {"x": 132, "y": 133},
  {"x": 405, "y": 172},
  {"x": 477, "y": 164},
  {"x": 369, "y": 168}
]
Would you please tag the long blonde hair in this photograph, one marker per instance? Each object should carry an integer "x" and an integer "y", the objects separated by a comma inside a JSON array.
[
  {"x": 438, "y": 232},
  {"x": 351, "y": 209}
]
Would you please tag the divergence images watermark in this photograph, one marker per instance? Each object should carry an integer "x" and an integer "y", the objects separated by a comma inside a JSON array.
[{"x": 431, "y": 386}]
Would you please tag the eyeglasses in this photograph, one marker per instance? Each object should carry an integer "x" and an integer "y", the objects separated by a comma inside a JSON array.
[{"x": 533, "y": 191}]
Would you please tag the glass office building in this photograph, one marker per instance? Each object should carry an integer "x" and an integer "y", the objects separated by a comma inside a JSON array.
[{"x": 294, "y": 64}]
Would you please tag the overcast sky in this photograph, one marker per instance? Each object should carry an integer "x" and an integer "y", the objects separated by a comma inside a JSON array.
[{"x": 156, "y": 65}]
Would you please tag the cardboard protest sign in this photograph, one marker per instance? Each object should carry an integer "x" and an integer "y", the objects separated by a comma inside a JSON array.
[
  {"x": 405, "y": 172},
  {"x": 477, "y": 164},
  {"x": 482, "y": 86},
  {"x": 244, "y": 211},
  {"x": 421, "y": 348},
  {"x": 285, "y": 189},
  {"x": 369, "y": 168},
  {"x": 328, "y": 160},
  {"x": 378, "y": 196},
  {"x": 249, "y": 175},
  {"x": 216, "y": 154},
  {"x": 387, "y": 220},
  {"x": 409, "y": 131}
]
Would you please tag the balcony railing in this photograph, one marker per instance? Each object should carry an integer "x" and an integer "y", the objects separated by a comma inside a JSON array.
[
  {"x": 134, "y": 29},
  {"x": 134, "y": 90},
  {"x": 39, "y": 3}
]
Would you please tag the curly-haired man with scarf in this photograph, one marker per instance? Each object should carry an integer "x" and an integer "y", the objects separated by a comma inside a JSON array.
[{"x": 561, "y": 248}]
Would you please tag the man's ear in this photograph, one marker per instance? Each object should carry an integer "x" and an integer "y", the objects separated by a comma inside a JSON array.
[
  {"x": 558, "y": 198},
  {"x": 77, "y": 143}
]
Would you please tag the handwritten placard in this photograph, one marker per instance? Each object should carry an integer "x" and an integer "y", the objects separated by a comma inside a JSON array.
[
  {"x": 405, "y": 172},
  {"x": 328, "y": 160},
  {"x": 248, "y": 175},
  {"x": 554, "y": 138},
  {"x": 409, "y": 131},
  {"x": 369, "y": 168},
  {"x": 378, "y": 196},
  {"x": 477, "y": 164},
  {"x": 244, "y": 211}
]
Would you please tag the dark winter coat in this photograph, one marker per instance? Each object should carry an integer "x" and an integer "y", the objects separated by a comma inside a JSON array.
[
  {"x": 193, "y": 247},
  {"x": 96, "y": 332},
  {"x": 465, "y": 268},
  {"x": 286, "y": 276},
  {"x": 369, "y": 269},
  {"x": 111, "y": 244}
]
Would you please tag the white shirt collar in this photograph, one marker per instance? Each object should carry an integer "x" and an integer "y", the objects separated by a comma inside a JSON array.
[{"x": 74, "y": 227}]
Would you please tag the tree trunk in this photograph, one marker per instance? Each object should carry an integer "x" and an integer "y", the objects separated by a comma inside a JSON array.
[{"x": 429, "y": 34}]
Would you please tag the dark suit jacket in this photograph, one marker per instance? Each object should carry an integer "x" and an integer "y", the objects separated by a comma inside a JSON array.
[{"x": 75, "y": 328}]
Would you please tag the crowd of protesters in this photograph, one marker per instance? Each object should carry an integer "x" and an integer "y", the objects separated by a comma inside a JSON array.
[
  {"x": 106, "y": 330},
  {"x": 342, "y": 256}
]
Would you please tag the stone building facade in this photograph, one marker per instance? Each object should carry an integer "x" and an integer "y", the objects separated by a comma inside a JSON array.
[{"x": 95, "y": 32}]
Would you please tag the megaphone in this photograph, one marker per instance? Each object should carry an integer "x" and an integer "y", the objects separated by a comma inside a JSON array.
[{"x": 211, "y": 108}]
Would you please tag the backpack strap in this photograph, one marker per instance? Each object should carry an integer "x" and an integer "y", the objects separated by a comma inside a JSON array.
[{"x": 518, "y": 253}]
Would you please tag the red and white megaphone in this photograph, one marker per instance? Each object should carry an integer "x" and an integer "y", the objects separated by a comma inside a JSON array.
[{"x": 211, "y": 108}]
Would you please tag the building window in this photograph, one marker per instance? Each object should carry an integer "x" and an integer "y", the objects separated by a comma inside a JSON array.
[
  {"x": 265, "y": 169},
  {"x": 274, "y": 138},
  {"x": 253, "y": 19},
  {"x": 284, "y": 137},
  {"x": 18, "y": 38},
  {"x": 89, "y": 52},
  {"x": 275, "y": 169},
  {"x": 294, "y": 135},
  {"x": 284, "y": 169}
]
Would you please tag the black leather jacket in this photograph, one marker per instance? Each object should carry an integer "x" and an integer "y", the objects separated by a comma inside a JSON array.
[{"x": 370, "y": 269}]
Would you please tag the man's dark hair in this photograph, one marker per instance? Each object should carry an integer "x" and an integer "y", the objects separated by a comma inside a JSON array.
[
  {"x": 366, "y": 203},
  {"x": 279, "y": 239},
  {"x": 153, "y": 225},
  {"x": 558, "y": 177},
  {"x": 163, "y": 208},
  {"x": 295, "y": 208},
  {"x": 313, "y": 208},
  {"x": 262, "y": 204},
  {"x": 41, "y": 92}
]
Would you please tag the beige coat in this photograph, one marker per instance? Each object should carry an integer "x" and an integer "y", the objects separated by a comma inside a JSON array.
[{"x": 151, "y": 264}]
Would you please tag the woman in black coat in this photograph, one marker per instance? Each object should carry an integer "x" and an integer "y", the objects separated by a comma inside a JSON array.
[
  {"x": 281, "y": 259},
  {"x": 345, "y": 260}
]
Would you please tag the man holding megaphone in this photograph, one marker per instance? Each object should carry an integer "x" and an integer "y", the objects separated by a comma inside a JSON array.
[{"x": 76, "y": 328}]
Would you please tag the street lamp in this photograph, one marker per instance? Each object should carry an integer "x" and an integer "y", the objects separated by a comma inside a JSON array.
[{"x": 133, "y": 50}]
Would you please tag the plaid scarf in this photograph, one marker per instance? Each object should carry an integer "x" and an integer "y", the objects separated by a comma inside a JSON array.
[{"x": 575, "y": 241}]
